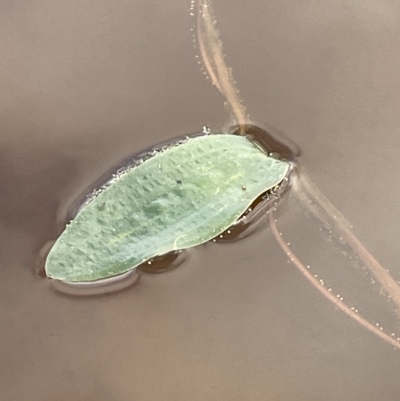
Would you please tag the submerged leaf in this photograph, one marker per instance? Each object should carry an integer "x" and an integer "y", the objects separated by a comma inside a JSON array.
[{"x": 180, "y": 198}]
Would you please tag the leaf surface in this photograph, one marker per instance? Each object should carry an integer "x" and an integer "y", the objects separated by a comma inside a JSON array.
[{"x": 180, "y": 198}]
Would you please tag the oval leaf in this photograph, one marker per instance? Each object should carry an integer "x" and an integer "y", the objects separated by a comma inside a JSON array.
[{"x": 182, "y": 197}]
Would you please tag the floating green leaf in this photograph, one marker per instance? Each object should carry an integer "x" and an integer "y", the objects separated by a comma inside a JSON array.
[{"x": 182, "y": 197}]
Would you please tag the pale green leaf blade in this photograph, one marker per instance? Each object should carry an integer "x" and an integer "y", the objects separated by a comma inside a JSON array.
[{"x": 178, "y": 199}]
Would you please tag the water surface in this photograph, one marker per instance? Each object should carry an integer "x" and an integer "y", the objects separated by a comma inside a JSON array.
[{"x": 84, "y": 86}]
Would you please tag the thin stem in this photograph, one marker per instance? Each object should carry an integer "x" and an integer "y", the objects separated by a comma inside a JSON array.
[
  {"x": 325, "y": 292},
  {"x": 211, "y": 50},
  {"x": 325, "y": 211}
]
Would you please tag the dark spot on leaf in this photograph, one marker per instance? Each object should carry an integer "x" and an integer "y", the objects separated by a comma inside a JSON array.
[{"x": 179, "y": 182}]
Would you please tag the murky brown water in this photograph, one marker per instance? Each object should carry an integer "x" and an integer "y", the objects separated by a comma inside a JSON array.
[{"x": 84, "y": 86}]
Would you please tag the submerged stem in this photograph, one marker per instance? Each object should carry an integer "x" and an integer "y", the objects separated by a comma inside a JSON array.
[
  {"x": 211, "y": 50},
  {"x": 326, "y": 212},
  {"x": 325, "y": 292}
]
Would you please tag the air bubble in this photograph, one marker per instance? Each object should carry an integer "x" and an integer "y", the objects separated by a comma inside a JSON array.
[{"x": 206, "y": 130}]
